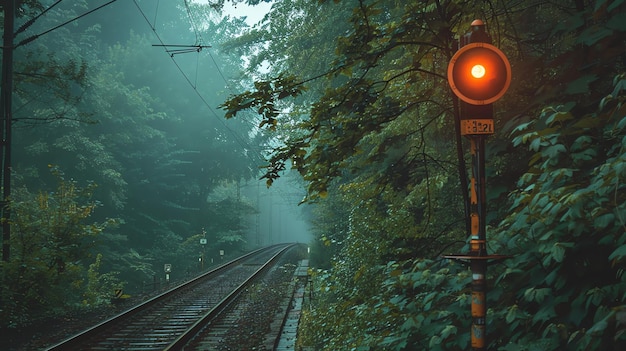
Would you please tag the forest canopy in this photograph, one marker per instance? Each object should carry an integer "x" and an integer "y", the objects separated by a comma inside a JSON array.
[
  {"x": 352, "y": 96},
  {"x": 121, "y": 161},
  {"x": 360, "y": 89}
]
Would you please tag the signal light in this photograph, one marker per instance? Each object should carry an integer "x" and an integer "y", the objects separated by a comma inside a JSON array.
[{"x": 479, "y": 73}]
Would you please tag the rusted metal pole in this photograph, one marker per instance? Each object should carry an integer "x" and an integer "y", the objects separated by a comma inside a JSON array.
[
  {"x": 478, "y": 258},
  {"x": 466, "y": 75},
  {"x": 478, "y": 243}
]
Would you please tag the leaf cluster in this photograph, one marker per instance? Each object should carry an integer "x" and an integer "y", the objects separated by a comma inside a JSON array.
[
  {"x": 566, "y": 224},
  {"x": 375, "y": 143},
  {"x": 51, "y": 242},
  {"x": 152, "y": 146}
]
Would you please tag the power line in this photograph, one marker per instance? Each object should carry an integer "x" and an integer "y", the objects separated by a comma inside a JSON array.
[
  {"x": 198, "y": 35},
  {"x": 6, "y": 101},
  {"x": 31, "y": 38},
  {"x": 193, "y": 24},
  {"x": 199, "y": 38},
  {"x": 32, "y": 20},
  {"x": 182, "y": 49},
  {"x": 242, "y": 143},
  {"x": 156, "y": 11},
  {"x": 217, "y": 67}
]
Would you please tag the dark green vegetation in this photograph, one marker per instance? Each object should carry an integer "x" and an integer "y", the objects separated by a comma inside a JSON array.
[
  {"x": 120, "y": 159},
  {"x": 354, "y": 96},
  {"x": 359, "y": 88}
]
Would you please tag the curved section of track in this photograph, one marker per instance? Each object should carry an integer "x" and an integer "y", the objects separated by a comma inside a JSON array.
[{"x": 161, "y": 321}]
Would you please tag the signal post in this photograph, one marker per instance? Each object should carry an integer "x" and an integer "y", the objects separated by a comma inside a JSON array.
[{"x": 479, "y": 74}]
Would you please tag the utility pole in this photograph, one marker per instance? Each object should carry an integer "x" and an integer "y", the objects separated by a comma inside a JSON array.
[
  {"x": 479, "y": 74},
  {"x": 5, "y": 126}
]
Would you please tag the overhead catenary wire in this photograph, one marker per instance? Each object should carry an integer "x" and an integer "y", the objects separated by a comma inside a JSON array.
[
  {"x": 30, "y": 22},
  {"x": 200, "y": 40},
  {"x": 33, "y": 37},
  {"x": 198, "y": 35},
  {"x": 183, "y": 49},
  {"x": 156, "y": 12},
  {"x": 188, "y": 48},
  {"x": 193, "y": 24},
  {"x": 239, "y": 140}
]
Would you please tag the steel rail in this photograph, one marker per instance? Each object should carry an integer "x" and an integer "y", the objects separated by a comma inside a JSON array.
[
  {"x": 80, "y": 339},
  {"x": 216, "y": 311}
]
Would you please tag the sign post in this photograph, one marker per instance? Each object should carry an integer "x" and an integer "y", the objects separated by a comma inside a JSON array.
[
  {"x": 168, "y": 269},
  {"x": 203, "y": 242},
  {"x": 479, "y": 74}
]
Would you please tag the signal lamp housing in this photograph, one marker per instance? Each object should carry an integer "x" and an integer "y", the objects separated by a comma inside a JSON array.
[{"x": 479, "y": 73}]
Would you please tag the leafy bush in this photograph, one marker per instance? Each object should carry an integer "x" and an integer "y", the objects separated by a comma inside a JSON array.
[
  {"x": 567, "y": 229},
  {"x": 50, "y": 244}
]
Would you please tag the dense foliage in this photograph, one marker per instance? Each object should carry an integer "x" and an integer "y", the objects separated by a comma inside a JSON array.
[
  {"x": 352, "y": 95},
  {"x": 51, "y": 239},
  {"x": 136, "y": 148},
  {"x": 357, "y": 92}
]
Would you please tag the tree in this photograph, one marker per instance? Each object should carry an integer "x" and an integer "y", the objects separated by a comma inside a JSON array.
[
  {"x": 377, "y": 127},
  {"x": 98, "y": 100},
  {"x": 50, "y": 246}
]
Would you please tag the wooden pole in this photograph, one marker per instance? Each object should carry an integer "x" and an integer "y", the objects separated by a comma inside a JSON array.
[{"x": 6, "y": 92}]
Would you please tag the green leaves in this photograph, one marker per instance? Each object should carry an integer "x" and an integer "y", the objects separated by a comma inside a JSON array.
[
  {"x": 571, "y": 200},
  {"x": 372, "y": 139},
  {"x": 581, "y": 85},
  {"x": 619, "y": 253},
  {"x": 264, "y": 99},
  {"x": 51, "y": 238},
  {"x": 537, "y": 295},
  {"x": 428, "y": 288}
]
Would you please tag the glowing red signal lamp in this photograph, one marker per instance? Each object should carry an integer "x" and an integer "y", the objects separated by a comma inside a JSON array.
[{"x": 479, "y": 73}]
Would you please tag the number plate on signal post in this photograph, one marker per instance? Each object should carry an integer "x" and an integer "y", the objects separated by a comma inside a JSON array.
[{"x": 476, "y": 126}]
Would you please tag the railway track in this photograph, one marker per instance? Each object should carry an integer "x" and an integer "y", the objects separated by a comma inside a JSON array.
[
  {"x": 171, "y": 320},
  {"x": 258, "y": 315}
]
